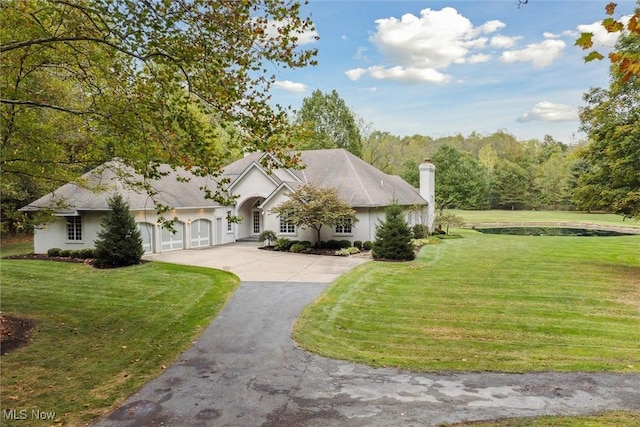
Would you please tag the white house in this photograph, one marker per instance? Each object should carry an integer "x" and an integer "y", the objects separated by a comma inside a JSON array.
[{"x": 199, "y": 222}]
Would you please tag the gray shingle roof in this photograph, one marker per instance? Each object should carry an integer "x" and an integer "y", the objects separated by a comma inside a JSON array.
[
  {"x": 358, "y": 183},
  {"x": 99, "y": 184}
]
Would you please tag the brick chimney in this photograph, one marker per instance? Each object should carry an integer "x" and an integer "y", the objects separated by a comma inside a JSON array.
[{"x": 428, "y": 189}]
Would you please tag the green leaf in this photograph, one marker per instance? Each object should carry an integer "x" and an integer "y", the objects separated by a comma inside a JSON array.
[{"x": 593, "y": 56}]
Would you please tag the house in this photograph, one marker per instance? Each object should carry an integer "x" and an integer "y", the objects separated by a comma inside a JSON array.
[{"x": 200, "y": 222}]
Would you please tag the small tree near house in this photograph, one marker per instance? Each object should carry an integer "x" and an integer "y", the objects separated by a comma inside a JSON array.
[
  {"x": 446, "y": 220},
  {"x": 393, "y": 237},
  {"x": 119, "y": 243},
  {"x": 313, "y": 207}
]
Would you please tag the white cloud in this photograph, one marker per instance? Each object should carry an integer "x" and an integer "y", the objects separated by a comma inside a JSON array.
[
  {"x": 289, "y": 86},
  {"x": 418, "y": 48},
  {"x": 272, "y": 28},
  {"x": 412, "y": 74},
  {"x": 478, "y": 58},
  {"x": 355, "y": 73},
  {"x": 503, "y": 42},
  {"x": 361, "y": 54},
  {"x": 539, "y": 54},
  {"x": 601, "y": 37},
  {"x": 546, "y": 111}
]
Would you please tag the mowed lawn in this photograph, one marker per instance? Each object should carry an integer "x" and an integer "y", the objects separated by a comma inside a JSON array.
[
  {"x": 573, "y": 217},
  {"x": 100, "y": 334},
  {"x": 488, "y": 303}
]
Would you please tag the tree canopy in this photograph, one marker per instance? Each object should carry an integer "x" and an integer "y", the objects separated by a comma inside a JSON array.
[
  {"x": 329, "y": 123},
  {"x": 313, "y": 207},
  {"x": 149, "y": 82},
  {"x": 461, "y": 182},
  {"x": 627, "y": 62},
  {"x": 611, "y": 119}
]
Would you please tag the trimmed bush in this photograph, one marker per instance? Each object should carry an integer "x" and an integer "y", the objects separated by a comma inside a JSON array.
[
  {"x": 332, "y": 244},
  {"x": 86, "y": 253},
  {"x": 307, "y": 244},
  {"x": 282, "y": 244},
  {"x": 75, "y": 254},
  {"x": 343, "y": 244},
  {"x": 296, "y": 248},
  {"x": 367, "y": 245},
  {"x": 358, "y": 244},
  {"x": 65, "y": 253},
  {"x": 54, "y": 252},
  {"x": 420, "y": 231},
  {"x": 347, "y": 251}
]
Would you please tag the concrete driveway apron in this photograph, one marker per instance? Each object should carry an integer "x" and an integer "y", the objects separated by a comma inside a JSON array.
[{"x": 246, "y": 371}]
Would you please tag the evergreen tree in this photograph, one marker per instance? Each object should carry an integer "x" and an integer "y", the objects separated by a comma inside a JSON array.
[
  {"x": 119, "y": 243},
  {"x": 393, "y": 237}
]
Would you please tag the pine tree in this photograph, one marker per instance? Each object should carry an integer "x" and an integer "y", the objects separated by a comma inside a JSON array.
[
  {"x": 393, "y": 237},
  {"x": 119, "y": 243}
]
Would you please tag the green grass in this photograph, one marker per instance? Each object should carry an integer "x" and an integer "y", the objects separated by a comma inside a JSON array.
[
  {"x": 100, "y": 334},
  {"x": 488, "y": 303},
  {"x": 544, "y": 216},
  {"x": 607, "y": 419},
  {"x": 16, "y": 247}
]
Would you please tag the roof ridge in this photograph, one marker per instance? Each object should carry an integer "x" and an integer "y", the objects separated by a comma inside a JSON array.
[{"x": 346, "y": 154}]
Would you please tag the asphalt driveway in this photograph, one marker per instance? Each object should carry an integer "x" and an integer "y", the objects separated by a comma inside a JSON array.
[{"x": 246, "y": 371}]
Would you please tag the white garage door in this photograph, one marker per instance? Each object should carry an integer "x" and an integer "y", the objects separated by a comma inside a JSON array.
[
  {"x": 200, "y": 233},
  {"x": 148, "y": 236},
  {"x": 172, "y": 241}
]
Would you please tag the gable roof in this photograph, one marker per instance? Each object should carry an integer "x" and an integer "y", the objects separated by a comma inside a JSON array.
[
  {"x": 358, "y": 183},
  {"x": 100, "y": 183}
]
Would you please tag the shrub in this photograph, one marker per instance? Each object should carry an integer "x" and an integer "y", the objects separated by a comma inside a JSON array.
[
  {"x": 393, "y": 237},
  {"x": 282, "y": 244},
  {"x": 347, "y": 251},
  {"x": 420, "y": 231},
  {"x": 307, "y": 244},
  {"x": 296, "y": 248},
  {"x": 322, "y": 244},
  {"x": 75, "y": 254},
  {"x": 358, "y": 244},
  {"x": 53, "y": 252},
  {"x": 267, "y": 236},
  {"x": 65, "y": 253},
  {"x": 332, "y": 244},
  {"x": 119, "y": 243},
  {"x": 367, "y": 245},
  {"x": 343, "y": 244},
  {"x": 86, "y": 253}
]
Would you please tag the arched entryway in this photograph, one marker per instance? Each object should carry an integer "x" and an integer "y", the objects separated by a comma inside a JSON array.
[{"x": 253, "y": 219}]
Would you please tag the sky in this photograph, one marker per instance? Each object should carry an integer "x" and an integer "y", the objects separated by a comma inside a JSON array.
[{"x": 455, "y": 67}]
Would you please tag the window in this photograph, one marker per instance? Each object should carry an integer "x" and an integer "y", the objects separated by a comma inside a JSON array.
[
  {"x": 74, "y": 228},
  {"x": 344, "y": 228},
  {"x": 286, "y": 227},
  {"x": 229, "y": 223}
]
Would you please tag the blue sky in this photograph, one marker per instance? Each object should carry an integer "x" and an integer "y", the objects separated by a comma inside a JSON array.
[{"x": 441, "y": 68}]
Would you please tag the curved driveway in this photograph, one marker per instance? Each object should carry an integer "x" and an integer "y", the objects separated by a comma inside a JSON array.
[{"x": 246, "y": 371}]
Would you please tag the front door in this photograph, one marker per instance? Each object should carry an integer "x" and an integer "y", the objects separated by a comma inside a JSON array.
[{"x": 256, "y": 221}]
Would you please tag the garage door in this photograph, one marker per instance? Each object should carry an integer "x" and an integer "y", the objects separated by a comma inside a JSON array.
[
  {"x": 172, "y": 241},
  {"x": 200, "y": 233},
  {"x": 148, "y": 236}
]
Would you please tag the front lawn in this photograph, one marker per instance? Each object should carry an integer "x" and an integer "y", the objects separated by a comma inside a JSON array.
[
  {"x": 100, "y": 334},
  {"x": 573, "y": 217},
  {"x": 488, "y": 303}
]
